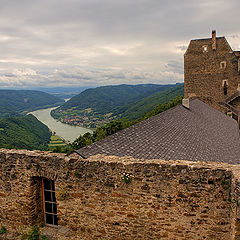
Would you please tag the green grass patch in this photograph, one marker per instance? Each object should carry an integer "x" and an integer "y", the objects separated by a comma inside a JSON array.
[
  {"x": 55, "y": 137},
  {"x": 55, "y": 142},
  {"x": 34, "y": 234},
  {"x": 55, "y": 145},
  {"x": 3, "y": 230}
]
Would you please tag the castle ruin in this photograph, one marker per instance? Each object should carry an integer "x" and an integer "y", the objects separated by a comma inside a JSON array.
[{"x": 174, "y": 176}]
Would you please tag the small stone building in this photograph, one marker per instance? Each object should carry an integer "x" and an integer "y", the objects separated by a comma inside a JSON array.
[{"x": 212, "y": 73}]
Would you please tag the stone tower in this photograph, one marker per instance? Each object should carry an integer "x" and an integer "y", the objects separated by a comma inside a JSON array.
[{"x": 212, "y": 73}]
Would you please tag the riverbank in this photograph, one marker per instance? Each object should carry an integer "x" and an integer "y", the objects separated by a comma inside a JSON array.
[{"x": 67, "y": 132}]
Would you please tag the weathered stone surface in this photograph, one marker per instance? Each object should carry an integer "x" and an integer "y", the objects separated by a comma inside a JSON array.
[
  {"x": 204, "y": 74},
  {"x": 94, "y": 202}
]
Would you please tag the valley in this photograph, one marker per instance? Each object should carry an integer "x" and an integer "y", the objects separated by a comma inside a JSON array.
[
  {"x": 96, "y": 107},
  {"x": 67, "y": 132},
  {"x": 87, "y": 117}
]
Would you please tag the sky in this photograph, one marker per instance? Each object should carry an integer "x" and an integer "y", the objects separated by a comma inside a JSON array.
[{"x": 51, "y": 43}]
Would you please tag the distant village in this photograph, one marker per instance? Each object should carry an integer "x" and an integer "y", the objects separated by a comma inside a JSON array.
[{"x": 87, "y": 121}]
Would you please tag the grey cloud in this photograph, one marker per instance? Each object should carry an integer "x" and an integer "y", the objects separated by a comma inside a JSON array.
[
  {"x": 79, "y": 77},
  {"x": 182, "y": 48},
  {"x": 175, "y": 66},
  {"x": 234, "y": 36},
  {"x": 145, "y": 37}
]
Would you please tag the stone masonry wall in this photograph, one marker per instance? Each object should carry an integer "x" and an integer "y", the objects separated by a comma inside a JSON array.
[
  {"x": 203, "y": 74},
  {"x": 161, "y": 200}
]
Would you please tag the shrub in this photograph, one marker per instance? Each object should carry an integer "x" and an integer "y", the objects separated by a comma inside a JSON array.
[
  {"x": 34, "y": 234},
  {"x": 3, "y": 230}
]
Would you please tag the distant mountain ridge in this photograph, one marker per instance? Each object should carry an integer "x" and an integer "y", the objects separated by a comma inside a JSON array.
[
  {"x": 114, "y": 99},
  {"x": 16, "y": 102},
  {"x": 62, "y": 92}
]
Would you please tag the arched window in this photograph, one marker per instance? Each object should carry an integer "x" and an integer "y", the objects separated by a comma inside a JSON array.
[
  {"x": 225, "y": 88},
  {"x": 223, "y": 65}
]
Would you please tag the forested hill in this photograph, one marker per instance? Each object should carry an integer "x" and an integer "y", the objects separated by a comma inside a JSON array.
[
  {"x": 138, "y": 109},
  {"x": 108, "y": 98},
  {"x": 24, "y": 133},
  {"x": 15, "y": 102}
]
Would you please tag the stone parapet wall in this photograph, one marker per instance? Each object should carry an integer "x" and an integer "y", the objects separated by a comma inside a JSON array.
[{"x": 97, "y": 200}]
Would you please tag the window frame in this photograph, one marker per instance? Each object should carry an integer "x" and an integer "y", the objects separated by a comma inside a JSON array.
[
  {"x": 205, "y": 48},
  {"x": 52, "y": 202},
  {"x": 223, "y": 65},
  {"x": 225, "y": 87}
]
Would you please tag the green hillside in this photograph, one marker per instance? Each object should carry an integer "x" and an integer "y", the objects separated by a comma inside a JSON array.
[
  {"x": 97, "y": 106},
  {"x": 137, "y": 110},
  {"x": 109, "y": 98},
  {"x": 16, "y": 102},
  {"x": 24, "y": 133}
]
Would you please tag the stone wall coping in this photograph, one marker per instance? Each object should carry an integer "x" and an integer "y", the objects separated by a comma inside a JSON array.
[
  {"x": 37, "y": 153},
  {"x": 126, "y": 160},
  {"x": 172, "y": 163}
]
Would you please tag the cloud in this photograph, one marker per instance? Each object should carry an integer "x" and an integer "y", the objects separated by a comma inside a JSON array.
[
  {"x": 80, "y": 77},
  {"x": 182, "y": 48},
  {"x": 24, "y": 72},
  {"x": 105, "y": 42}
]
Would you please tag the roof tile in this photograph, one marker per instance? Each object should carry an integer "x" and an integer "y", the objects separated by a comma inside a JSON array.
[{"x": 200, "y": 133}]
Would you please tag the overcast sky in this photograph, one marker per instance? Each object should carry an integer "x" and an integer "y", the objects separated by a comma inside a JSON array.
[{"x": 103, "y": 42}]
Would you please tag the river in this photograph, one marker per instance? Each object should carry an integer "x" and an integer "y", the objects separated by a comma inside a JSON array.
[{"x": 67, "y": 132}]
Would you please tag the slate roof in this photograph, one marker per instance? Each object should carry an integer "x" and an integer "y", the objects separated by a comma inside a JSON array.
[
  {"x": 207, "y": 39},
  {"x": 200, "y": 133},
  {"x": 197, "y": 44}
]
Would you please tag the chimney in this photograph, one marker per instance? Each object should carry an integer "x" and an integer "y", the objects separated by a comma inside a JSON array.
[
  {"x": 214, "y": 41},
  {"x": 185, "y": 103}
]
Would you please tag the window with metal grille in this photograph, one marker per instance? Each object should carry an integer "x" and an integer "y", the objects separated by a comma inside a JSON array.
[{"x": 49, "y": 201}]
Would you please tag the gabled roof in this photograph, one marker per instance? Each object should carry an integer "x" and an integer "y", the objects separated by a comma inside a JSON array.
[
  {"x": 207, "y": 39},
  {"x": 200, "y": 133},
  {"x": 196, "y": 45}
]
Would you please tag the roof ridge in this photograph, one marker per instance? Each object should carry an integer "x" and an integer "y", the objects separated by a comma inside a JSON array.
[{"x": 197, "y": 39}]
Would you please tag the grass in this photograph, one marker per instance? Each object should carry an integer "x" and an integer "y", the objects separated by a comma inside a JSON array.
[
  {"x": 56, "y": 141},
  {"x": 55, "y": 145},
  {"x": 3, "y": 230},
  {"x": 55, "y": 138},
  {"x": 33, "y": 234}
]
